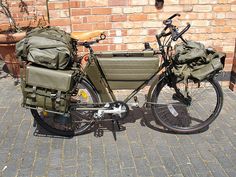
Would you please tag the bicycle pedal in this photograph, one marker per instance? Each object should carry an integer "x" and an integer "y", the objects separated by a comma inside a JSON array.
[{"x": 99, "y": 132}]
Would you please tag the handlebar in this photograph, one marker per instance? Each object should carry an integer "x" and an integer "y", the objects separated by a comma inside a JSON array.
[
  {"x": 168, "y": 21},
  {"x": 175, "y": 38},
  {"x": 173, "y": 30}
]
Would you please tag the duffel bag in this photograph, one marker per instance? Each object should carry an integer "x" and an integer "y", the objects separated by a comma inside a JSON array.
[
  {"x": 49, "y": 47},
  {"x": 47, "y": 89}
]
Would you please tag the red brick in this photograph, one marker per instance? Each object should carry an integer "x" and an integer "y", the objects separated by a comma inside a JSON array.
[
  {"x": 96, "y": 3},
  {"x": 82, "y": 27},
  {"x": 221, "y": 8},
  {"x": 100, "y": 48},
  {"x": 74, "y": 4},
  {"x": 118, "y": 2},
  {"x": 152, "y": 32},
  {"x": 78, "y": 12},
  {"x": 137, "y": 17},
  {"x": 101, "y": 11},
  {"x": 98, "y": 18},
  {"x": 58, "y": 5},
  {"x": 102, "y": 26},
  {"x": 60, "y": 22},
  {"x": 202, "y": 8},
  {"x": 218, "y": 22},
  {"x": 118, "y": 18}
]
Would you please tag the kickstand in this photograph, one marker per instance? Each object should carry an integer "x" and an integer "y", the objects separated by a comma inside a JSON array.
[{"x": 114, "y": 123}]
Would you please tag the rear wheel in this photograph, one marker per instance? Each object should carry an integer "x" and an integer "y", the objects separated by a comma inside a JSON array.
[
  {"x": 77, "y": 122},
  {"x": 191, "y": 113}
]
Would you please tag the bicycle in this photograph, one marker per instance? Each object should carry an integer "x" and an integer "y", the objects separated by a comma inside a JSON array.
[{"x": 92, "y": 99}]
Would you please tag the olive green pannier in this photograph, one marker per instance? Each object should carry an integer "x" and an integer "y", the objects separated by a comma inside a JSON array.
[
  {"x": 49, "y": 47},
  {"x": 47, "y": 89},
  {"x": 193, "y": 60}
]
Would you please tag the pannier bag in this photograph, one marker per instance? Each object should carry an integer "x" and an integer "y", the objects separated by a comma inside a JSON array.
[
  {"x": 49, "y": 47},
  {"x": 193, "y": 60},
  {"x": 46, "y": 88}
]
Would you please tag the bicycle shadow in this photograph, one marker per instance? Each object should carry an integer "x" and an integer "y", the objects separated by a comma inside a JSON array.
[{"x": 143, "y": 115}]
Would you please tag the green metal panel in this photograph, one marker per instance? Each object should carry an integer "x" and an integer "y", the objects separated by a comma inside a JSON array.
[
  {"x": 127, "y": 70},
  {"x": 95, "y": 77}
]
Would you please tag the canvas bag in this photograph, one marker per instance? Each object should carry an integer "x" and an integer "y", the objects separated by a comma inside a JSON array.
[
  {"x": 46, "y": 88},
  {"x": 49, "y": 47},
  {"x": 193, "y": 60}
]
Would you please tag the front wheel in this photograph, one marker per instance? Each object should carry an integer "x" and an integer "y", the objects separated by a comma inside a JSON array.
[
  {"x": 77, "y": 122},
  {"x": 190, "y": 113}
]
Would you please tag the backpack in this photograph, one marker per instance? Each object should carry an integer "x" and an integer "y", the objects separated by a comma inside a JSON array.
[
  {"x": 49, "y": 47},
  {"x": 193, "y": 60}
]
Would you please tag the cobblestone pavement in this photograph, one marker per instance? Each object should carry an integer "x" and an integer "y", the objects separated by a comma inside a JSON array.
[{"x": 140, "y": 150}]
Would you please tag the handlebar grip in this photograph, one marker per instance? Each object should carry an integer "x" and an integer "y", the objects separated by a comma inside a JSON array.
[
  {"x": 175, "y": 38},
  {"x": 173, "y": 16}
]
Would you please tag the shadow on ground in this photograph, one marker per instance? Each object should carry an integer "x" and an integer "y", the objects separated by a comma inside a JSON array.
[{"x": 143, "y": 115}]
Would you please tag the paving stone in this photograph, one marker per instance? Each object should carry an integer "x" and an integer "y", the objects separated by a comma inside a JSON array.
[
  {"x": 98, "y": 168},
  {"x": 179, "y": 156},
  {"x": 152, "y": 156},
  {"x": 137, "y": 150},
  {"x": 140, "y": 150},
  {"x": 129, "y": 172},
  {"x": 84, "y": 153},
  {"x": 69, "y": 171},
  {"x": 159, "y": 171},
  {"x": 164, "y": 151},
  {"x": 126, "y": 159},
  {"x": 111, "y": 154},
  {"x": 143, "y": 167},
  {"x": 11, "y": 169},
  {"x": 231, "y": 172},
  {"x": 188, "y": 170},
  {"x": 84, "y": 169},
  {"x": 170, "y": 165},
  {"x": 43, "y": 150},
  {"x": 113, "y": 168},
  {"x": 24, "y": 172},
  {"x": 40, "y": 166},
  {"x": 198, "y": 165}
]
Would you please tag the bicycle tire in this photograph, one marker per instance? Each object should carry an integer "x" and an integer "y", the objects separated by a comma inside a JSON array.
[
  {"x": 50, "y": 127},
  {"x": 170, "y": 115}
]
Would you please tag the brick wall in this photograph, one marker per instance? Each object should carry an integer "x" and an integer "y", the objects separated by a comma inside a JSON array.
[{"x": 129, "y": 23}]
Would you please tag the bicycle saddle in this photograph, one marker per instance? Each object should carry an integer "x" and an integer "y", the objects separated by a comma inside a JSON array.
[{"x": 85, "y": 36}]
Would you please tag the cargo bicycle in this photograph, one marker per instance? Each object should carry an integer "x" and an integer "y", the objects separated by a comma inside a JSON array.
[{"x": 69, "y": 103}]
